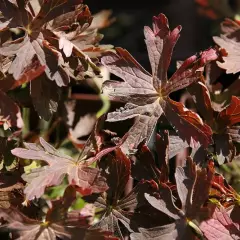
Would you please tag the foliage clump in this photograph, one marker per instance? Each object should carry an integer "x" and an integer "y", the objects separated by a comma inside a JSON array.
[{"x": 100, "y": 178}]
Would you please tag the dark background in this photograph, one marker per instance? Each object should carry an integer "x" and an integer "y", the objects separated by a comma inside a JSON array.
[{"x": 132, "y": 16}]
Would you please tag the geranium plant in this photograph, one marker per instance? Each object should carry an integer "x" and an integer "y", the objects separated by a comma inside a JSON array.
[{"x": 76, "y": 171}]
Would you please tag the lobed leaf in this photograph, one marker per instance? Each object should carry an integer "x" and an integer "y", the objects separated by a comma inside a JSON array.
[
  {"x": 220, "y": 226},
  {"x": 146, "y": 96},
  {"x": 88, "y": 179}
]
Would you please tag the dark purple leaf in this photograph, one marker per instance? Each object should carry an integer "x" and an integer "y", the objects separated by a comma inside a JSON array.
[
  {"x": 230, "y": 115},
  {"x": 144, "y": 167},
  {"x": 130, "y": 210},
  {"x": 10, "y": 113},
  {"x": 166, "y": 232},
  {"x": 146, "y": 95},
  {"x": 45, "y": 95},
  {"x": 193, "y": 187},
  {"x": 188, "y": 124}
]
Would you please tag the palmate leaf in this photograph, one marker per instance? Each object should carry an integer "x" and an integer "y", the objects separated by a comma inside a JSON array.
[
  {"x": 30, "y": 228},
  {"x": 220, "y": 226},
  {"x": 26, "y": 228},
  {"x": 193, "y": 187},
  {"x": 31, "y": 46},
  {"x": 86, "y": 178},
  {"x": 58, "y": 37},
  {"x": 230, "y": 42},
  {"x": 55, "y": 21},
  {"x": 82, "y": 39},
  {"x": 222, "y": 123},
  {"x": 147, "y": 95},
  {"x": 131, "y": 210},
  {"x": 58, "y": 224}
]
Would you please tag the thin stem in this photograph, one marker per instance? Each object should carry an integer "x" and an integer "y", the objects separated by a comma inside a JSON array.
[{"x": 26, "y": 118}]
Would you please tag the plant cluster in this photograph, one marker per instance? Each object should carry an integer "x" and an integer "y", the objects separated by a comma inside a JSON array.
[{"x": 109, "y": 173}]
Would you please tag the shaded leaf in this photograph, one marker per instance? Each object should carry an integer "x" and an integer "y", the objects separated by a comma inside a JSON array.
[
  {"x": 158, "y": 233},
  {"x": 144, "y": 167},
  {"x": 34, "y": 71},
  {"x": 6, "y": 157},
  {"x": 234, "y": 133},
  {"x": 193, "y": 187},
  {"x": 199, "y": 91},
  {"x": 224, "y": 148},
  {"x": 10, "y": 114},
  {"x": 80, "y": 123},
  {"x": 57, "y": 224},
  {"x": 230, "y": 115},
  {"x": 27, "y": 228},
  {"x": 130, "y": 210},
  {"x": 45, "y": 97},
  {"x": 11, "y": 187},
  {"x": 165, "y": 203}
]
